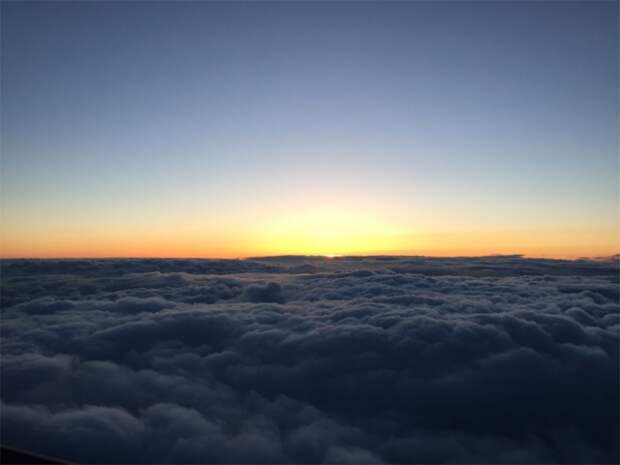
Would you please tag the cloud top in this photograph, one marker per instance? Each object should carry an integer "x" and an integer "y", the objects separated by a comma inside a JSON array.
[{"x": 312, "y": 360}]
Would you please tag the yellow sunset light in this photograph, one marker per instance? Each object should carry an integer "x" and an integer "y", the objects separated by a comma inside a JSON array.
[{"x": 329, "y": 233}]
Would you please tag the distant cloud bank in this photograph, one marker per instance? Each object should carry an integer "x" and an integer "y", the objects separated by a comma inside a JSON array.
[{"x": 312, "y": 360}]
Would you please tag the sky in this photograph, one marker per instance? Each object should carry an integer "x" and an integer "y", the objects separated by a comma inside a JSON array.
[{"x": 212, "y": 129}]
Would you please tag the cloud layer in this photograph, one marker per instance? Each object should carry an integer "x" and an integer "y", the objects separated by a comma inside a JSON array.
[{"x": 312, "y": 360}]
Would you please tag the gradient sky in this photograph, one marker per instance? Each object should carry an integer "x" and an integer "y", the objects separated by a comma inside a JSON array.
[{"x": 237, "y": 129}]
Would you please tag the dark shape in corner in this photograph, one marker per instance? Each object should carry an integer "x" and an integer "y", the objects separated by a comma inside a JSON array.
[{"x": 9, "y": 456}]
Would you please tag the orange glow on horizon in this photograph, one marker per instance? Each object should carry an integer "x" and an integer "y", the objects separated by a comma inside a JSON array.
[{"x": 302, "y": 235}]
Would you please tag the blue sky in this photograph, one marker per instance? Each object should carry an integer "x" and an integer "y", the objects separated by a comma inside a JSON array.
[{"x": 436, "y": 119}]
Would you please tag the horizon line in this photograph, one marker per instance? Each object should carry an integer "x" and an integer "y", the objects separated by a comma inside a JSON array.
[{"x": 610, "y": 257}]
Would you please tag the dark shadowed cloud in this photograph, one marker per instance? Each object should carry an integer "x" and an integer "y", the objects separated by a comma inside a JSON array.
[{"x": 312, "y": 360}]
